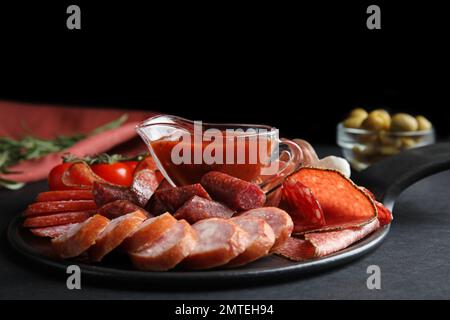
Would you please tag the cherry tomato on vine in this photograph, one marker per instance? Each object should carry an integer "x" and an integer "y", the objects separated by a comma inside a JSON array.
[
  {"x": 117, "y": 173},
  {"x": 55, "y": 175}
]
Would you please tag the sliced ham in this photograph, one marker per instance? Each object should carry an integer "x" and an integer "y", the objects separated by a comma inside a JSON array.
[
  {"x": 168, "y": 250},
  {"x": 278, "y": 219},
  {"x": 219, "y": 241},
  {"x": 148, "y": 232},
  {"x": 52, "y": 232},
  {"x": 79, "y": 238},
  {"x": 262, "y": 238},
  {"x": 56, "y": 219},
  {"x": 115, "y": 233},
  {"x": 320, "y": 244}
]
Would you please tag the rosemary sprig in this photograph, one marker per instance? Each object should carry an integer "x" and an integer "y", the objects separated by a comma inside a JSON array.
[{"x": 13, "y": 151}]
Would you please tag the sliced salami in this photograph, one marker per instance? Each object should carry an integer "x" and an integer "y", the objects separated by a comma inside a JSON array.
[
  {"x": 235, "y": 193},
  {"x": 169, "y": 250},
  {"x": 119, "y": 208},
  {"x": 45, "y": 208},
  {"x": 305, "y": 210},
  {"x": 52, "y": 232},
  {"x": 60, "y": 195},
  {"x": 115, "y": 233},
  {"x": 148, "y": 232},
  {"x": 174, "y": 198},
  {"x": 198, "y": 208},
  {"x": 262, "y": 238},
  {"x": 105, "y": 193},
  {"x": 219, "y": 241},
  {"x": 79, "y": 238},
  {"x": 278, "y": 219},
  {"x": 57, "y": 219},
  {"x": 144, "y": 184}
]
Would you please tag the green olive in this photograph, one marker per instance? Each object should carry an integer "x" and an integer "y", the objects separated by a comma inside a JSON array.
[
  {"x": 404, "y": 122},
  {"x": 374, "y": 123},
  {"x": 358, "y": 112},
  {"x": 384, "y": 115},
  {"x": 423, "y": 123},
  {"x": 407, "y": 143},
  {"x": 353, "y": 122}
]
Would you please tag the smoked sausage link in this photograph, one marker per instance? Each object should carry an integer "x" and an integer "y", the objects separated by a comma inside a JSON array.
[
  {"x": 79, "y": 238},
  {"x": 262, "y": 238},
  {"x": 169, "y": 250},
  {"x": 219, "y": 241},
  {"x": 115, "y": 233},
  {"x": 280, "y": 221},
  {"x": 235, "y": 193}
]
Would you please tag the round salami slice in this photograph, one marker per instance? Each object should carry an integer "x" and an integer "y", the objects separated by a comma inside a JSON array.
[
  {"x": 114, "y": 234},
  {"x": 280, "y": 221},
  {"x": 148, "y": 232},
  {"x": 79, "y": 238},
  {"x": 219, "y": 241},
  {"x": 52, "y": 232},
  {"x": 169, "y": 250},
  {"x": 262, "y": 238},
  {"x": 57, "y": 219}
]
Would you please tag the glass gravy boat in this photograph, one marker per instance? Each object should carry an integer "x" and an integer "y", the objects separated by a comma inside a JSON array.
[{"x": 184, "y": 150}]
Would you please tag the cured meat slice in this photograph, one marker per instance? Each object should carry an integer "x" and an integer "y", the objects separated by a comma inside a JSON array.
[
  {"x": 304, "y": 208},
  {"x": 148, "y": 232},
  {"x": 174, "y": 198},
  {"x": 343, "y": 203},
  {"x": 44, "y": 208},
  {"x": 384, "y": 215},
  {"x": 119, "y": 208},
  {"x": 169, "y": 250},
  {"x": 278, "y": 219},
  {"x": 65, "y": 195},
  {"x": 57, "y": 219},
  {"x": 81, "y": 176},
  {"x": 262, "y": 238},
  {"x": 79, "y": 238},
  {"x": 235, "y": 193},
  {"x": 219, "y": 241},
  {"x": 105, "y": 193},
  {"x": 319, "y": 244},
  {"x": 52, "y": 232},
  {"x": 144, "y": 184},
  {"x": 198, "y": 208},
  {"x": 115, "y": 233}
]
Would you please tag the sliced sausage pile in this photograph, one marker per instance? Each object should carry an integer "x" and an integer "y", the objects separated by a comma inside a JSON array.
[{"x": 220, "y": 222}]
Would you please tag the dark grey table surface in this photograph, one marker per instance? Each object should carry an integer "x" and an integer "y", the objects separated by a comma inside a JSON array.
[{"x": 414, "y": 260}]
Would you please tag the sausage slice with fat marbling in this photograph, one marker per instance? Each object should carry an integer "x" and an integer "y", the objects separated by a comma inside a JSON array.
[
  {"x": 278, "y": 219},
  {"x": 79, "y": 238},
  {"x": 261, "y": 236},
  {"x": 219, "y": 241},
  {"x": 167, "y": 251},
  {"x": 115, "y": 233},
  {"x": 148, "y": 232}
]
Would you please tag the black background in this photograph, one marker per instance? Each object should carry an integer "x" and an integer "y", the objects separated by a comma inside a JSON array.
[{"x": 300, "y": 67}]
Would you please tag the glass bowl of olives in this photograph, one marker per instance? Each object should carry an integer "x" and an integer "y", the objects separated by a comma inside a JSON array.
[{"x": 366, "y": 138}]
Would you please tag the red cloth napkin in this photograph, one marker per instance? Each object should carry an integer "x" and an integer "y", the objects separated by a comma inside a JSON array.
[{"x": 46, "y": 121}]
